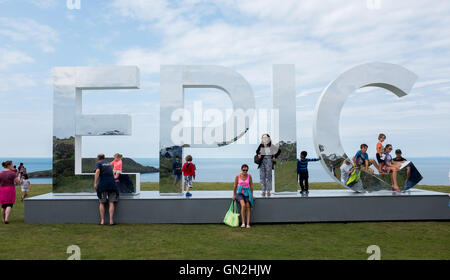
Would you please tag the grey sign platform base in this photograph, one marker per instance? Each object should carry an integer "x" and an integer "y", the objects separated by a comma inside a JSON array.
[{"x": 210, "y": 207}]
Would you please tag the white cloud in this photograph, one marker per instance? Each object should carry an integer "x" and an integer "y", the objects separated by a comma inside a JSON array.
[
  {"x": 14, "y": 82},
  {"x": 29, "y": 31},
  {"x": 44, "y": 4},
  {"x": 322, "y": 38},
  {"x": 9, "y": 58}
]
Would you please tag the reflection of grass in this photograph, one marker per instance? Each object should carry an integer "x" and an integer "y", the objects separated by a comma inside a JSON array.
[
  {"x": 401, "y": 177},
  {"x": 397, "y": 240},
  {"x": 165, "y": 169},
  {"x": 167, "y": 185},
  {"x": 199, "y": 186},
  {"x": 286, "y": 176},
  {"x": 72, "y": 184},
  {"x": 79, "y": 183},
  {"x": 217, "y": 186}
]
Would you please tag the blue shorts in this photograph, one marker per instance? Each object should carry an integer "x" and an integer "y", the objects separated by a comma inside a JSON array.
[{"x": 240, "y": 197}]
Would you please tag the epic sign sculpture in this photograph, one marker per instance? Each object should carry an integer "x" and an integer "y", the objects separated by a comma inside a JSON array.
[
  {"x": 70, "y": 125},
  {"x": 327, "y": 141}
]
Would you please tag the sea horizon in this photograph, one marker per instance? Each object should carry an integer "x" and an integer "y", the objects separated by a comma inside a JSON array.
[{"x": 435, "y": 170}]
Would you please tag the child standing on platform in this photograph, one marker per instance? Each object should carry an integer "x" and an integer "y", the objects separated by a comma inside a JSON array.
[
  {"x": 117, "y": 166},
  {"x": 188, "y": 170},
  {"x": 302, "y": 171}
]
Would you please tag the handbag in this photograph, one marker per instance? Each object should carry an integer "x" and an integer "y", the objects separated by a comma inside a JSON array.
[
  {"x": 257, "y": 160},
  {"x": 232, "y": 216}
]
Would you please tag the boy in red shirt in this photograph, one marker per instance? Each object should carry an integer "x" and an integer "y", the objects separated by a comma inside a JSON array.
[{"x": 188, "y": 170}]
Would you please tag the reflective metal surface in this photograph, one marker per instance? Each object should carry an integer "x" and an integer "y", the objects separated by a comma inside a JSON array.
[
  {"x": 285, "y": 127},
  {"x": 175, "y": 130},
  {"x": 70, "y": 125},
  {"x": 326, "y": 136}
]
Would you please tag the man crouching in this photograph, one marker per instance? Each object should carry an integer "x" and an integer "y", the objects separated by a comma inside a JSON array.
[{"x": 107, "y": 190}]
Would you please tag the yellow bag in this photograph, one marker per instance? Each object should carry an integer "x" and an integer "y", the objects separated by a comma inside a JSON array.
[{"x": 232, "y": 216}]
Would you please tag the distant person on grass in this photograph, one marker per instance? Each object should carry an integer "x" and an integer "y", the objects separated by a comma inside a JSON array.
[
  {"x": 243, "y": 192},
  {"x": 26, "y": 186},
  {"x": 188, "y": 170},
  {"x": 8, "y": 179},
  {"x": 361, "y": 160},
  {"x": 302, "y": 171},
  {"x": 107, "y": 191},
  {"x": 21, "y": 171}
]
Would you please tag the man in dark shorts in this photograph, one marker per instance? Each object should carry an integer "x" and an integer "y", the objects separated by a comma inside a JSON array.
[{"x": 107, "y": 190}]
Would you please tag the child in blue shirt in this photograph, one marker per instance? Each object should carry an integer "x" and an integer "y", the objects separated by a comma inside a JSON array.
[{"x": 302, "y": 171}]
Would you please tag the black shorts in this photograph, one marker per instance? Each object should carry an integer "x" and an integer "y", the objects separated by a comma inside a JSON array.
[
  {"x": 7, "y": 205},
  {"x": 108, "y": 196},
  {"x": 379, "y": 158},
  {"x": 303, "y": 174}
]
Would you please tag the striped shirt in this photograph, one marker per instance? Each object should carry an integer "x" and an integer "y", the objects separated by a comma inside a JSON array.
[{"x": 302, "y": 164}]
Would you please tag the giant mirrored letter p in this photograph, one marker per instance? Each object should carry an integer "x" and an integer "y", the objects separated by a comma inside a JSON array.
[{"x": 174, "y": 79}]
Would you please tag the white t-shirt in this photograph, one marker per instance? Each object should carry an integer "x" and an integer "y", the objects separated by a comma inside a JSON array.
[{"x": 25, "y": 184}]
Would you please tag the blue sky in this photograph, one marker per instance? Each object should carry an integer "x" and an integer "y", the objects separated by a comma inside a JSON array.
[{"x": 322, "y": 39}]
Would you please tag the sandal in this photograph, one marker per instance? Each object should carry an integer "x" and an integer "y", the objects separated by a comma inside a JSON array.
[
  {"x": 243, "y": 226},
  {"x": 248, "y": 226}
]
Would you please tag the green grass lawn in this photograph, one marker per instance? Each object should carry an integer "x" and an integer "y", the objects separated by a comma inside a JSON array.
[{"x": 397, "y": 240}]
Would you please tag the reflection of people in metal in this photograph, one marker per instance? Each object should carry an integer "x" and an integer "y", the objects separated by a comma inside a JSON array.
[
  {"x": 268, "y": 154},
  {"x": 243, "y": 192},
  {"x": 176, "y": 169},
  {"x": 346, "y": 170},
  {"x": 361, "y": 159},
  {"x": 302, "y": 171}
]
